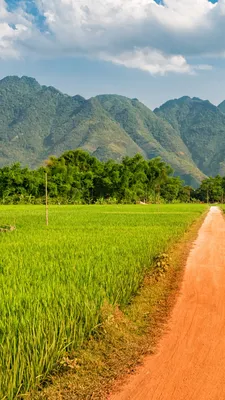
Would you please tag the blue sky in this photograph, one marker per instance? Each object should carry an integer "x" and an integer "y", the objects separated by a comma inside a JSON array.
[{"x": 136, "y": 48}]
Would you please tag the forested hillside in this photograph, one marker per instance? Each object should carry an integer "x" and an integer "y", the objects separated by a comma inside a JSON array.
[
  {"x": 201, "y": 126},
  {"x": 38, "y": 121}
]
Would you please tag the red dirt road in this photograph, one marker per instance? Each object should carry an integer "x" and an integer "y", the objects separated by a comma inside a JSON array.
[{"x": 190, "y": 361}]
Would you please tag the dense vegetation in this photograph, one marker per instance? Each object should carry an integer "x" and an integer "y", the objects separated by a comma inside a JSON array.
[
  {"x": 211, "y": 190},
  {"x": 78, "y": 178},
  {"x": 201, "y": 126},
  {"x": 54, "y": 280},
  {"x": 38, "y": 121}
]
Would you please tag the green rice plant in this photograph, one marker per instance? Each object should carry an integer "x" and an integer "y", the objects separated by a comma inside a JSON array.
[{"x": 54, "y": 280}]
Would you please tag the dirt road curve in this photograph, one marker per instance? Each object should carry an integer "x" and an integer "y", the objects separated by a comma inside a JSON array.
[{"x": 190, "y": 362}]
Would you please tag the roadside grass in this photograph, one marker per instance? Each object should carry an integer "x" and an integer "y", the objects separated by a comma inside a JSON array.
[{"x": 68, "y": 295}]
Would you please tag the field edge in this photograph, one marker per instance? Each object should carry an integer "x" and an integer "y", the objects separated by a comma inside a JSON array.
[{"x": 125, "y": 336}]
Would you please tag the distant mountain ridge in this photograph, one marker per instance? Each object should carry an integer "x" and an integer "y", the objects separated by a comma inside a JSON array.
[
  {"x": 201, "y": 126},
  {"x": 38, "y": 121}
]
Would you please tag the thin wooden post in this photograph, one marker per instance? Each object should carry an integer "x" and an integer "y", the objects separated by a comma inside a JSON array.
[{"x": 46, "y": 197}]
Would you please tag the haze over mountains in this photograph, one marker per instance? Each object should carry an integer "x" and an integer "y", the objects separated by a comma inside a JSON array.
[{"x": 38, "y": 121}]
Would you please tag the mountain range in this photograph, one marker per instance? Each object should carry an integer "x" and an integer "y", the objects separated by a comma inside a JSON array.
[{"x": 38, "y": 121}]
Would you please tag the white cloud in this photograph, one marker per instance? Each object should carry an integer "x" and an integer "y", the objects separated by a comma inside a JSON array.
[
  {"x": 150, "y": 60},
  {"x": 135, "y": 33},
  {"x": 13, "y": 29},
  {"x": 8, "y": 37}
]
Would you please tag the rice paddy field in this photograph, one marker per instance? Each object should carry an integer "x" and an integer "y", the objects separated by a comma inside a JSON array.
[{"x": 54, "y": 280}]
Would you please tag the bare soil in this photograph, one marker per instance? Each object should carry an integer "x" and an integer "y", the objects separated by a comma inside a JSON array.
[{"x": 190, "y": 360}]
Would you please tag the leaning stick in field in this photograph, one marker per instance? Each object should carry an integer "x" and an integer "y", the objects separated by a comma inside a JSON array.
[{"x": 46, "y": 197}]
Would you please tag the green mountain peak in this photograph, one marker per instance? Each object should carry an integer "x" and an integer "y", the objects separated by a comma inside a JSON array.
[{"x": 38, "y": 121}]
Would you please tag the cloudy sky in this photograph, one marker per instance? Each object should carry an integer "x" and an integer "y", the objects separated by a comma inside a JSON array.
[{"x": 152, "y": 50}]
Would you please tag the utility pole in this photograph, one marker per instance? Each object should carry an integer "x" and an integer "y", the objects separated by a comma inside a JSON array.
[{"x": 46, "y": 197}]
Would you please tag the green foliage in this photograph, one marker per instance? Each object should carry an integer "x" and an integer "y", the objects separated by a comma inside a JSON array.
[
  {"x": 79, "y": 178},
  {"x": 54, "y": 280},
  {"x": 212, "y": 190},
  {"x": 201, "y": 127},
  {"x": 37, "y": 121}
]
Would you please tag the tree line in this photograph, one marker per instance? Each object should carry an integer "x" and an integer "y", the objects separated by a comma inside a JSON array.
[
  {"x": 211, "y": 190},
  {"x": 79, "y": 178}
]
